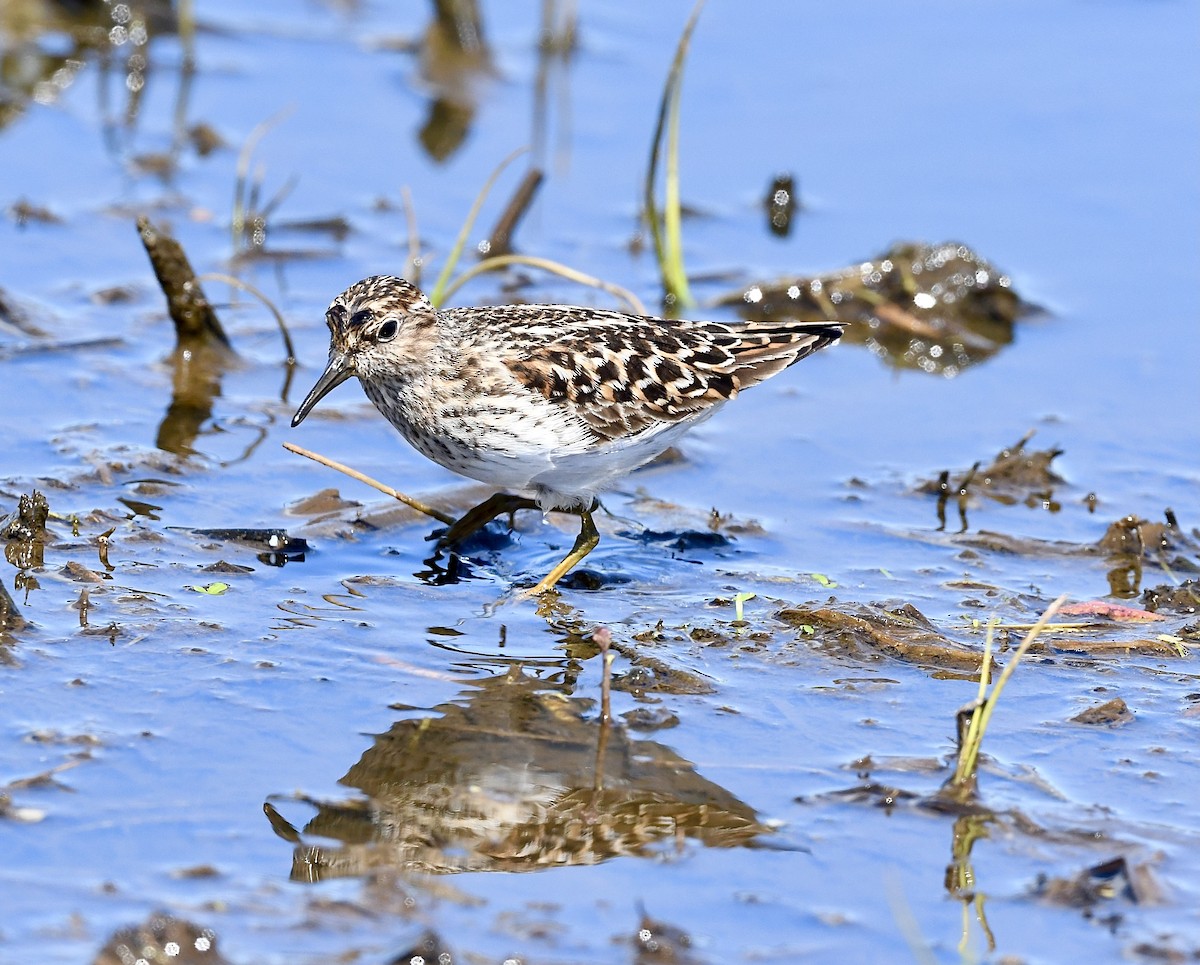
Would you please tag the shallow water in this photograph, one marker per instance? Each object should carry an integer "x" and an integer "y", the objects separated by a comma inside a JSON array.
[{"x": 418, "y": 746}]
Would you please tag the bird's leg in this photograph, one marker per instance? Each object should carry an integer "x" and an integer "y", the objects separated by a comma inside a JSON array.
[
  {"x": 473, "y": 520},
  {"x": 584, "y": 544}
]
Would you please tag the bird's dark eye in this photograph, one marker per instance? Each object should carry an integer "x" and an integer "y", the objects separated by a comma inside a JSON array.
[{"x": 387, "y": 331}]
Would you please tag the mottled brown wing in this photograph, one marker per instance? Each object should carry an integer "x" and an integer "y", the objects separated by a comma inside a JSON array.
[{"x": 625, "y": 373}]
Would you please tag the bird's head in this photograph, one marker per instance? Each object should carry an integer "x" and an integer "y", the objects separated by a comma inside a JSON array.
[{"x": 368, "y": 324}]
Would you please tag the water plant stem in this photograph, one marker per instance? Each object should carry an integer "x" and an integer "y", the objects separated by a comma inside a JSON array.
[
  {"x": 668, "y": 237},
  {"x": 416, "y": 504},
  {"x": 968, "y": 754}
]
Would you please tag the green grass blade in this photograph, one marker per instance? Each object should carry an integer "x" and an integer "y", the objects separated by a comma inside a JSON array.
[
  {"x": 964, "y": 770},
  {"x": 668, "y": 234},
  {"x": 969, "y": 752},
  {"x": 439, "y": 289}
]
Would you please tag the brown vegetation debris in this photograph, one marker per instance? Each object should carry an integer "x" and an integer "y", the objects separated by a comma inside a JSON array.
[
  {"x": 29, "y": 521},
  {"x": 1111, "y": 713},
  {"x": 658, "y": 941},
  {"x": 14, "y": 316},
  {"x": 428, "y": 948},
  {"x": 934, "y": 307},
  {"x": 1115, "y": 878},
  {"x": 1183, "y": 599},
  {"x": 1128, "y": 545},
  {"x": 222, "y": 566},
  {"x": 11, "y": 619},
  {"x": 903, "y": 632},
  {"x": 321, "y": 503},
  {"x": 1015, "y": 474},
  {"x": 163, "y": 939},
  {"x": 80, "y": 573},
  {"x": 1133, "y": 536},
  {"x": 205, "y": 139},
  {"x": 23, "y": 212},
  {"x": 25, "y": 531},
  {"x": 1140, "y": 646}
]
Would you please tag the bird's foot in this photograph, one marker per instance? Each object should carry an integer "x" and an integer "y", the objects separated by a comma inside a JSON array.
[
  {"x": 585, "y": 542},
  {"x": 472, "y": 521}
]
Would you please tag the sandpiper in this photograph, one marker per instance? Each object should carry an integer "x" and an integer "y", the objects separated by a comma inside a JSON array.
[{"x": 553, "y": 401}]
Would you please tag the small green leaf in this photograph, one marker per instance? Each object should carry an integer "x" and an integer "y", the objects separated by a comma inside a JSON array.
[
  {"x": 212, "y": 589},
  {"x": 823, "y": 579}
]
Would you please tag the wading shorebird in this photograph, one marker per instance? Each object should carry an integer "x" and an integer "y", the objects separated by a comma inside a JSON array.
[{"x": 552, "y": 402}]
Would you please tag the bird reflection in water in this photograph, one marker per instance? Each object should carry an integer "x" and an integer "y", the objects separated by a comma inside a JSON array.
[{"x": 515, "y": 776}]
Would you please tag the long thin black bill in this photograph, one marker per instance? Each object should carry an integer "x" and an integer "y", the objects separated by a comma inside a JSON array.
[{"x": 336, "y": 372}]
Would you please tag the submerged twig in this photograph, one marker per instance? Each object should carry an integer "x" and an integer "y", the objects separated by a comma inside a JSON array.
[
  {"x": 499, "y": 242},
  {"x": 409, "y": 501},
  {"x": 196, "y": 322}
]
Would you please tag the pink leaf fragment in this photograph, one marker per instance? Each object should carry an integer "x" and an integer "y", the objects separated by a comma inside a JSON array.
[{"x": 1114, "y": 611}]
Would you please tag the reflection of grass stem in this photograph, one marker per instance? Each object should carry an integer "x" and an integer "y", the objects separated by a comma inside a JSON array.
[
  {"x": 250, "y": 289},
  {"x": 439, "y": 289},
  {"x": 186, "y": 27},
  {"x": 960, "y": 880},
  {"x": 602, "y": 637},
  {"x": 243, "y": 203},
  {"x": 412, "y": 267},
  {"x": 906, "y": 921},
  {"x": 962, "y": 784},
  {"x": 668, "y": 237},
  {"x": 557, "y": 268}
]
